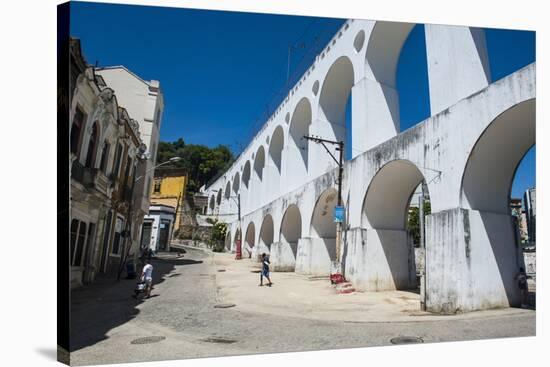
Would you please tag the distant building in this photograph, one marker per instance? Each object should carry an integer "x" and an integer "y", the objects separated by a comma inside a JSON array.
[
  {"x": 530, "y": 202},
  {"x": 158, "y": 226},
  {"x": 169, "y": 185}
]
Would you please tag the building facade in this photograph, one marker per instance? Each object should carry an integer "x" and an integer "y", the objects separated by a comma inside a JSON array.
[
  {"x": 145, "y": 103},
  {"x": 158, "y": 227},
  {"x": 168, "y": 189},
  {"x": 106, "y": 152}
]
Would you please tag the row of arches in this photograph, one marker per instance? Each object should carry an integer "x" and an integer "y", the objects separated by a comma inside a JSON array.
[
  {"x": 485, "y": 188},
  {"x": 374, "y": 54}
]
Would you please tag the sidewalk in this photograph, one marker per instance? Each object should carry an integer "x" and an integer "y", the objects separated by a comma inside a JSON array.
[{"x": 294, "y": 295}]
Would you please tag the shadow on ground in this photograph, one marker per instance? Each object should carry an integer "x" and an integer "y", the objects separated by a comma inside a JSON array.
[{"x": 107, "y": 303}]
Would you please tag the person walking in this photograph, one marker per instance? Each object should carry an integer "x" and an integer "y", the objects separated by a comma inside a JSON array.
[
  {"x": 265, "y": 271},
  {"x": 522, "y": 284},
  {"x": 147, "y": 277}
]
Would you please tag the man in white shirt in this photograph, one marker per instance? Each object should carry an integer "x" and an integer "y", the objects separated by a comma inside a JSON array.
[{"x": 147, "y": 277}]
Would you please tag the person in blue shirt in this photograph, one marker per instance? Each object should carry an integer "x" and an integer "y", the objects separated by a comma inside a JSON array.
[{"x": 265, "y": 270}]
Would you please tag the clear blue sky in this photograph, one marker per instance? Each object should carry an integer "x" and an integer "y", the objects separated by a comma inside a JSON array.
[{"x": 221, "y": 71}]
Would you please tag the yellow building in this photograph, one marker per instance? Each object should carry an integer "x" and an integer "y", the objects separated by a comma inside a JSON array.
[{"x": 169, "y": 189}]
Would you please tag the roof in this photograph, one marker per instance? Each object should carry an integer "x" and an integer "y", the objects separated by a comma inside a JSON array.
[{"x": 152, "y": 83}]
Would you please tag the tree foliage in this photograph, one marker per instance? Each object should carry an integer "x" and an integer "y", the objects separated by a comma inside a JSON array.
[
  {"x": 200, "y": 162},
  {"x": 413, "y": 224}
]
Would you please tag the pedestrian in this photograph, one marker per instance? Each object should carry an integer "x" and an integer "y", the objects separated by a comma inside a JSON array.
[
  {"x": 147, "y": 277},
  {"x": 265, "y": 271},
  {"x": 522, "y": 284}
]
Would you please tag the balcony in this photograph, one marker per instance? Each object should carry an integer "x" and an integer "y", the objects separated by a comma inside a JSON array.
[{"x": 90, "y": 178}]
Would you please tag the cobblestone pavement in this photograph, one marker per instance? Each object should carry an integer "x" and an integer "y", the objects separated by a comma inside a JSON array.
[{"x": 106, "y": 320}]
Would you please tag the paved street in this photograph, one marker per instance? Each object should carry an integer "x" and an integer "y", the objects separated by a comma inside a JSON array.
[{"x": 290, "y": 316}]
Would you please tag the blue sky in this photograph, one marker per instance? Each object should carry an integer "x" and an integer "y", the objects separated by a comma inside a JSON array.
[{"x": 221, "y": 71}]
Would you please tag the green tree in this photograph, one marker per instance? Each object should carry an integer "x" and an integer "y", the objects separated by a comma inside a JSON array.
[
  {"x": 199, "y": 161},
  {"x": 413, "y": 224}
]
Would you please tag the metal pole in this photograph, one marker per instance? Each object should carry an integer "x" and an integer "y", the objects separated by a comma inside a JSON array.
[
  {"x": 339, "y": 224},
  {"x": 423, "y": 248}
]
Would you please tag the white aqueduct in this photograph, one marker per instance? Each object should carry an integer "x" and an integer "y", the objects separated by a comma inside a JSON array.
[{"x": 467, "y": 153}]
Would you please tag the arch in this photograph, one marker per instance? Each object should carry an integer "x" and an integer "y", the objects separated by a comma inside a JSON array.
[
  {"x": 386, "y": 201},
  {"x": 299, "y": 126},
  {"x": 212, "y": 202},
  {"x": 384, "y": 47},
  {"x": 259, "y": 162},
  {"x": 335, "y": 103},
  {"x": 291, "y": 227},
  {"x": 322, "y": 223},
  {"x": 250, "y": 237},
  {"x": 219, "y": 198},
  {"x": 228, "y": 241},
  {"x": 236, "y": 183},
  {"x": 246, "y": 174},
  {"x": 267, "y": 232},
  {"x": 492, "y": 163},
  {"x": 276, "y": 147},
  {"x": 228, "y": 190},
  {"x": 391, "y": 264},
  {"x": 336, "y": 90}
]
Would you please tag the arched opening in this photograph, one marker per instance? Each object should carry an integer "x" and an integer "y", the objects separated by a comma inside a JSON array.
[
  {"x": 383, "y": 50},
  {"x": 334, "y": 98},
  {"x": 385, "y": 218},
  {"x": 323, "y": 226},
  {"x": 250, "y": 239},
  {"x": 228, "y": 190},
  {"x": 276, "y": 148},
  {"x": 236, "y": 183},
  {"x": 227, "y": 242},
  {"x": 246, "y": 174},
  {"x": 489, "y": 173},
  {"x": 92, "y": 146},
  {"x": 412, "y": 79},
  {"x": 487, "y": 187},
  {"x": 298, "y": 152},
  {"x": 259, "y": 162},
  {"x": 219, "y": 197},
  {"x": 291, "y": 228},
  {"x": 212, "y": 202},
  {"x": 266, "y": 233}
]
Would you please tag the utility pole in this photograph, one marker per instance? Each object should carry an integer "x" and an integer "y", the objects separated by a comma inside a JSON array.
[
  {"x": 337, "y": 264},
  {"x": 423, "y": 249}
]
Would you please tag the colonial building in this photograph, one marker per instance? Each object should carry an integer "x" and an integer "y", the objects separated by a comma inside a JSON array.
[
  {"x": 168, "y": 189},
  {"x": 144, "y": 102},
  {"x": 105, "y": 153}
]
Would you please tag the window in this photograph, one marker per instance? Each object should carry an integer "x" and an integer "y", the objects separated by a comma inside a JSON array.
[
  {"x": 74, "y": 232},
  {"x": 76, "y": 130},
  {"x": 78, "y": 238},
  {"x": 89, "y": 243},
  {"x": 127, "y": 171},
  {"x": 104, "y": 157},
  {"x": 156, "y": 188},
  {"x": 116, "y": 163},
  {"x": 92, "y": 146},
  {"x": 118, "y": 236}
]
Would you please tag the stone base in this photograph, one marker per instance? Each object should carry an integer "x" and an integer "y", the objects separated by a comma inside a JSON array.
[
  {"x": 282, "y": 256},
  {"x": 472, "y": 258},
  {"x": 379, "y": 260}
]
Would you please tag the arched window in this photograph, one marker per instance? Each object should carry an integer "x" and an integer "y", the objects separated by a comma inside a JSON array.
[
  {"x": 104, "y": 157},
  {"x": 76, "y": 130},
  {"x": 92, "y": 146}
]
